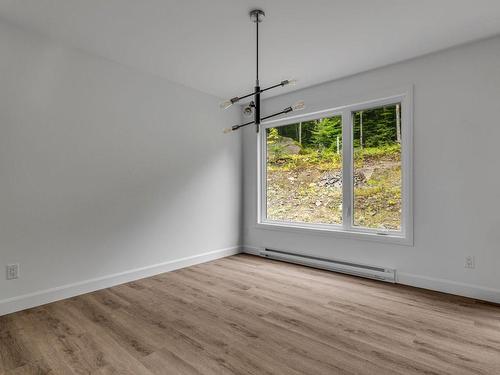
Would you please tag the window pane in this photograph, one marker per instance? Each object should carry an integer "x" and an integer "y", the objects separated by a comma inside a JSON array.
[
  {"x": 304, "y": 172},
  {"x": 377, "y": 167}
]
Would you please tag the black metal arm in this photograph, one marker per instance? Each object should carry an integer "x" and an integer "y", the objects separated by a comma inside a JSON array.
[
  {"x": 286, "y": 110},
  {"x": 236, "y": 127},
  {"x": 238, "y": 98}
]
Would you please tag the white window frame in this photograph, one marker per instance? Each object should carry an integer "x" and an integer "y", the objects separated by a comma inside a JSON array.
[{"x": 347, "y": 229}]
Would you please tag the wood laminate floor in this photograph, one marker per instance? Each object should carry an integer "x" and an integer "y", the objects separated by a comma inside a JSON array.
[{"x": 247, "y": 315}]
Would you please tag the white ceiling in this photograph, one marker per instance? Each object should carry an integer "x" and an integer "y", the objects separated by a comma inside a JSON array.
[{"x": 209, "y": 44}]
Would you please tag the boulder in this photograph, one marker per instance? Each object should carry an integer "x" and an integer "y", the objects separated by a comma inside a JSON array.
[{"x": 289, "y": 146}]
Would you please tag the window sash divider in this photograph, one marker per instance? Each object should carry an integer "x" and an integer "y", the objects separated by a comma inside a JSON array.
[{"x": 347, "y": 170}]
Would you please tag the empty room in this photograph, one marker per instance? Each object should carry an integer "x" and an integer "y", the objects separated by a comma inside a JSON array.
[{"x": 274, "y": 187}]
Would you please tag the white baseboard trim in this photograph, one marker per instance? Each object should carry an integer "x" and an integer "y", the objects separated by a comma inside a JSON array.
[
  {"x": 43, "y": 297},
  {"x": 251, "y": 250},
  {"x": 425, "y": 282},
  {"x": 450, "y": 287}
]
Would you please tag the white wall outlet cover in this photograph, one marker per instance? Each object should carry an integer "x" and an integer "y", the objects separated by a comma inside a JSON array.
[
  {"x": 470, "y": 261},
  {"x": 12, "y": 271}
]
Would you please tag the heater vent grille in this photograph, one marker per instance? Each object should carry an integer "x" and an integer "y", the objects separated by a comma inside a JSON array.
[{"x": 356, "y": 269}]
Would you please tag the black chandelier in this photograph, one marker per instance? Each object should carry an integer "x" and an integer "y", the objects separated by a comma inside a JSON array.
[{"x": 257, "y": 16}]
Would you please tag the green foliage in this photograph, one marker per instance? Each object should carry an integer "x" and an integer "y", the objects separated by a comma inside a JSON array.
[
  {"x": 326, "y": 131},
  {"x": 318, "y": 140},
  {"x": 379, "y": 127},
  {"x": 375, "y": 127},
  {"x": 272, "y": 136},
  {"x": 381, "y": 153},
  {"x": 276, "y": 151}
]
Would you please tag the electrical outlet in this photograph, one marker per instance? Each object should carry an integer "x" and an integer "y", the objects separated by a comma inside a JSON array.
[
  {"x": 12, "y": 271},
  {"x": 470, "y": 261}
]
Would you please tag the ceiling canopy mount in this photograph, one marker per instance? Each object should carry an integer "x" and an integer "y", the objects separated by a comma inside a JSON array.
[{"x": 257, "y": 15}]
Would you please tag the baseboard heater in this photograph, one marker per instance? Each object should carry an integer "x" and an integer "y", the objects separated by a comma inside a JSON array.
[{"x": 362, "y": 270}]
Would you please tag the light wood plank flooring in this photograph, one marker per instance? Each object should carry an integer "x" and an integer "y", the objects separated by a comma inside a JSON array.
[{"x": 247, "y": 315}]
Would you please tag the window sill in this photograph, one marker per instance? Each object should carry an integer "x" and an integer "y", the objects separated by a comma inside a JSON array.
[{"x": 336, "y": 232}]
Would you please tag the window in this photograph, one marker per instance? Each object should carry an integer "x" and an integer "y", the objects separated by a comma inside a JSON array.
[{"x": 344, "y": 170}]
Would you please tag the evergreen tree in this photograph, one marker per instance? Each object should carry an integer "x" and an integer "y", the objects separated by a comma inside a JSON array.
[
  {"x": 326, "y": 131},
  {"x": 379, "y": 129}
]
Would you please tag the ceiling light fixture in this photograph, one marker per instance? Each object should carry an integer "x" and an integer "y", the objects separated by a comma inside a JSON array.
[{"x": 257, "y": 16}]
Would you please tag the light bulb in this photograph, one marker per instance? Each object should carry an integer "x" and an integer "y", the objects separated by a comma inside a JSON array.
[
  {"x": 298, "y": 106},
  {"x": 227, "y": 130},
  {"x": 226, "y": 104},
  {"x": 229, "y": 103},
  {"x": 291, "y": 82}
]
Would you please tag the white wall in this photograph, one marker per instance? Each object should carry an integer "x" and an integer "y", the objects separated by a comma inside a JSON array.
[
  {"x": 104, "y": 169},
  {"x": 456, "y": 178}
]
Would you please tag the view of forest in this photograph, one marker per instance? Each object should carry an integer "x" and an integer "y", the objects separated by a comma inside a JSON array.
[{"x": 304, "y": 170}]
